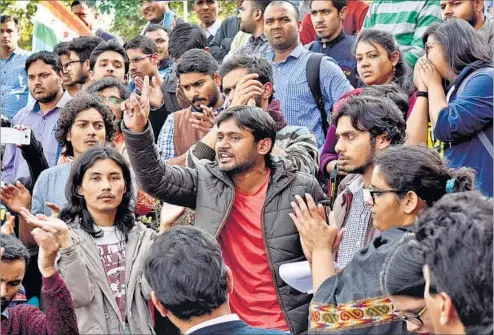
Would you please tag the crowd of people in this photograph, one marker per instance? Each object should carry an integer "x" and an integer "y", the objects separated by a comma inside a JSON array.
[{"x": 170, "y": 179}]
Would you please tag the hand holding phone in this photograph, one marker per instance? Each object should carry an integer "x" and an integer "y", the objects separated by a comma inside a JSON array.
[{"x": 15, "y": 136}]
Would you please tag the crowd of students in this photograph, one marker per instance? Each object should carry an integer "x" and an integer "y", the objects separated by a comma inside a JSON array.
[{"x": 169, "y": 178}]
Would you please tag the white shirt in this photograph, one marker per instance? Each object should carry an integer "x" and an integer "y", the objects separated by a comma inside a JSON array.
[
  {"x": 213, "y": 29},
  {"x": 215, "y": 321}
]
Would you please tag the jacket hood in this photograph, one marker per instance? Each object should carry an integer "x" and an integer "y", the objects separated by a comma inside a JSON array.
[{"x": 274, "y": 109}]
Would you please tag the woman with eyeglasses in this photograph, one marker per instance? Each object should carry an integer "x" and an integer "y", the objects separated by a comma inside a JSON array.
[
  {"x": 402, "y": 281},
  {"x": 405, "y": 180}
]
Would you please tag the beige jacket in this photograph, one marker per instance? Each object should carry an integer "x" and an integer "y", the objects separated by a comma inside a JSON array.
[{"x": 95, "y": 306}]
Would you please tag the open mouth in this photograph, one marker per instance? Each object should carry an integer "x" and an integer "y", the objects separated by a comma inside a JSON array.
[{"x": 224, "y": 158}]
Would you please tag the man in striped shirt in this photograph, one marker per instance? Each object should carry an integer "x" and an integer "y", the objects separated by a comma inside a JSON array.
[
  {"x": 407, "y": 20},
  {"x": 289, "y": 61}
]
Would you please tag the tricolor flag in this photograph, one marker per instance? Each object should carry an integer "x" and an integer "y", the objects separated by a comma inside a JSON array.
[{"x": 54, "y": 23}]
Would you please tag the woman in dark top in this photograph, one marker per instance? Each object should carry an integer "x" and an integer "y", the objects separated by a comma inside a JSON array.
[{"x": 405, "y": 180}]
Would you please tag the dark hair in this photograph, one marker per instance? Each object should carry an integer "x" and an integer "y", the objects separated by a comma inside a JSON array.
[
  {"x": 89, "y": 3},
  {"x": 47, "y": 57},
  {"x": 105, "y": 83},
  {"x": 186, "y": 37},
  {"x": 112, "y": 45},
  {"x": 402, "y": 270},
  {"x": 82, "y": 102},
  {"x": 279, "y": 2},
  {"x": 13, "y": 249},
  {"x": 456, "y": 237},
  {"x": 253, "y": 64},
  {"x": 392, "y": 91},
  {"x": 10, "y": 18},
  {"x": 378, "y": 116},
  {"x": 197, "y": 61},
  {"x": 83, "y": 46},
  {"x": 253, "y": 119},
  {"x": 145, "y": 44},
  {"x": 338, "y": 4},
  {"x": 461, "y": 44},
  {"x": 403, "y": 76},
  {"x": 260, "y": 4},
  {"x": 185, "y": 269},
  {"x": 76, "y": 206},
  {"x": 155, "y": 27},
  {"x": 62, "y": 49},
  {"x": 421, "y": 170}
]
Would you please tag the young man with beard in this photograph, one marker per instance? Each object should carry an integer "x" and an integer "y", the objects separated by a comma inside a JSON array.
[
  {"x": 247, "y": 78},
  {"x": 243, "y": 200},
  {"x": 251, "y": 17},
  {"x": 364, "y": 126},
  {"x": 109, "y": 60},
  {"x": 289, "y": 60},
  {"x": 327, "y": 18},
  {"x": 62, "y": 50},
  {"x": 84, "y": 123},
  {"x": 200, "y": 82},
  {"x": 471, "y": 11},
  {"x": 161, "y": 37},
  {"x": 45, "y": 84},
  {"x": 80, "y": 49},
  {"x": 59, "y": 315}
]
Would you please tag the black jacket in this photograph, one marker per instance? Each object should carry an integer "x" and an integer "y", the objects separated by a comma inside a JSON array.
[
  {"x": 211, "y": 193},
  {"x": 220, "y": 45}
]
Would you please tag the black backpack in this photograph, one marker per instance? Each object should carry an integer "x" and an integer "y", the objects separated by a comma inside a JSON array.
[{"x": 312, "y": 73}]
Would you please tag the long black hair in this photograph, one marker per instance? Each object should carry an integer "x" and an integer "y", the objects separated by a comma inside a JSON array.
[
  {"x": 403, "y": 76},
  {"x": 76, "y": 208}
]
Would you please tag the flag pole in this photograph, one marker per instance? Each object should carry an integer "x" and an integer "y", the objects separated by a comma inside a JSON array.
[{"x": 186, "y": 11}]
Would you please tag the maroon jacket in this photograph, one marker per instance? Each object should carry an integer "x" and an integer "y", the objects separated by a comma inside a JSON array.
[{"x": 59, "y": 318}]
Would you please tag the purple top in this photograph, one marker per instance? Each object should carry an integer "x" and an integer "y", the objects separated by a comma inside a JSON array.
[{"x": 43, "y": 128}]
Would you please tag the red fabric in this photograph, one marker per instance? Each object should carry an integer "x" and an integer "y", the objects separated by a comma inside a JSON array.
[
  {"x": 254, "y": 296},
  {"x": 59, "y": 318},
  {"x": 357, "y": 10}
]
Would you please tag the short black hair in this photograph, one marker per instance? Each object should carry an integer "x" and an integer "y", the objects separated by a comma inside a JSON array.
[
  {"x": 338, "y": 4},
  {"x": 392, "y": 91},
  {"x": 83, "y": 46},
  {"x": 143, "y": 43},
  {"x": 82, "y": 102},
  {"x": 185, "y": 269},
  {"x": 13, "y": 249},
  {"x": 456, "y": 237},
  {"x": 105, "y": 83},
  {"x": 260, "y": 4},
  {"x": 420, "y": 170},
  {"x": 197, "y": 61},
  {"x": 155, "y": 27},
  {"x": 62, "y": 49},
  {"x": 378, "y": 116},
  {"x": 111, "y": 45},
  {"x": 47, "y": 57},
  {"x": 10, "y": 18},
  {"x": 186, "y": 37},
  {"x": 253, "y": 64},
  {"x": 253, "y": 119},
  {"x": 279, "y": 2},
  {"x": 81, "y": 3}
]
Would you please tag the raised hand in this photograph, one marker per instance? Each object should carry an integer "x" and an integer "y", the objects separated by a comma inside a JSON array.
[
  {"x": 417, "y": 77},
  {"x": 247, "y": 89},
  {"x": 50, "y": 224},
  {"x": 55, "y": 209},
  {"x": 48, "y": 250},
  {"x": 15, "y": 196},
  {"x": 428, "y": 72},
  {"x": 155, "y": 93},
  {"x": 136, "y": 109},
  {"x": 169, "y": 213},
  {"x": 8, "y": 226},
  {"x": 204, "y": 121},
  {"x": 311, "y": 224}
]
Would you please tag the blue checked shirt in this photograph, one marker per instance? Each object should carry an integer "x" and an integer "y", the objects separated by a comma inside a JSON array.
[
  {"x": 292, "y": 89},
  {"x": 13, "y": 82}
]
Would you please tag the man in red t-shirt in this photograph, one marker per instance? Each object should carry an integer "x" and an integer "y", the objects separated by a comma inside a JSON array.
[{"x": 243, "y": 199}]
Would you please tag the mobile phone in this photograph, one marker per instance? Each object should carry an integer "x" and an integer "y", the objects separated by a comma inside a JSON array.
[{"x": 14, "y": 136}]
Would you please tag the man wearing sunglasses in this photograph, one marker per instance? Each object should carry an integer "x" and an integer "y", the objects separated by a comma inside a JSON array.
[{"x": 362, "y": 131}]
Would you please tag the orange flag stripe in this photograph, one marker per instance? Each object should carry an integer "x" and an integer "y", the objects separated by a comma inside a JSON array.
[{"x": 67, "y": 17}]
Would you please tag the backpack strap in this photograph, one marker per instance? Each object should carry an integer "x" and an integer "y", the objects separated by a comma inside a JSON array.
[{"x": 312, "y": 73}]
